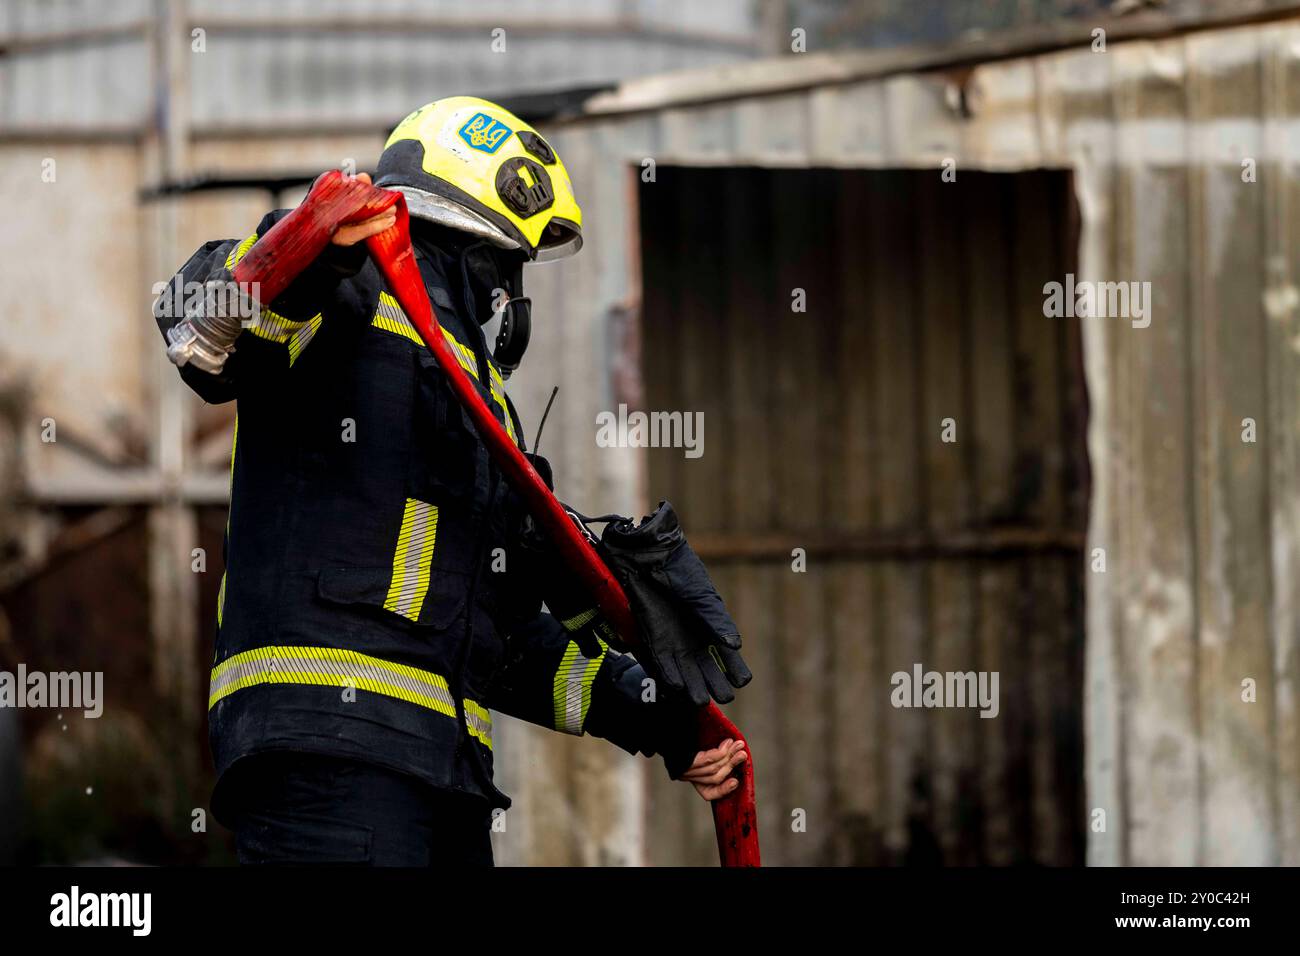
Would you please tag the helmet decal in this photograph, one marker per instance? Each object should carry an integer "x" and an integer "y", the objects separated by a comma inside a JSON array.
[{"x": 484, "y": 133}]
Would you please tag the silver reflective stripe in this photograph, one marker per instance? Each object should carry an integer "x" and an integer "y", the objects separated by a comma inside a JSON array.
[
  {"x": 302, "y": 338},
  {"x": 412, "y": 559},
  {"x": 332, "y": 667},
  {"x": 390, "y": 310},
  {"x": 275, "y": 327},
  {"x": 390, "y": 317},
  {"x": 572, "y": 691},
  {"x": 239, "y": 251},
  {"x": 479, "y": 723}
]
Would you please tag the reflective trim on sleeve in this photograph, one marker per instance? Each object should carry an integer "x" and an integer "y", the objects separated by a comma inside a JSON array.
[
  {"x": 240, "y": 251},
  {"x": 602, "y": 625},
  {"x": 302, "y": 338},
  {"x": 412, "y": 559},
  {"x": 573, "y": 623},
  {"x": 572, "y": 692},
  {"x": 334, "y": 667},
  {"x": 296, "y": 335},
  {"x": 272, "y": 326}
]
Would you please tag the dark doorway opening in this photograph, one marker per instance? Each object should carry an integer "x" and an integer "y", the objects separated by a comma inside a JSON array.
[{"x": 883, "y": 399}]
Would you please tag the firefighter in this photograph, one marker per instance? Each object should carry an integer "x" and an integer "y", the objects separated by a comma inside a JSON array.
[{"x": 384, "y": 588}]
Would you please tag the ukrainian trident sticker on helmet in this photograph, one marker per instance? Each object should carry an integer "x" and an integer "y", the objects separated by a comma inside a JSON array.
[{"x": 484, "y": 133}]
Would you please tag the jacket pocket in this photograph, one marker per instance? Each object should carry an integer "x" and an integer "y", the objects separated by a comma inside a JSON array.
[{"x": 432, "y": 598}]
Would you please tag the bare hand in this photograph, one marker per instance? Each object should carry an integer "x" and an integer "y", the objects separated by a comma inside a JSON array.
[
  {"x": 711, "y": 773},
  {"x": 356, "y": 232}
]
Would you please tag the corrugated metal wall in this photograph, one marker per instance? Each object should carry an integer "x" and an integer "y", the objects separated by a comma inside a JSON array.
[
  {"x": 1201, "y": 524},
  {"x": 823, "y": 431},
  {"x": 258, "y": 63},
  {"x": 1183, "y": 154},
  {"x": 72, "y": 71},
  {"x": 1199, "y": 527}
]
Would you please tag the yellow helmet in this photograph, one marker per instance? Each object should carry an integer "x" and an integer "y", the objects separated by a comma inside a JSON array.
[{"x": 471, "y": 165}]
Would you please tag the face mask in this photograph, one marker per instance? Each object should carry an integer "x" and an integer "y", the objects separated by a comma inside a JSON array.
[{"x": 494, "y": 278}]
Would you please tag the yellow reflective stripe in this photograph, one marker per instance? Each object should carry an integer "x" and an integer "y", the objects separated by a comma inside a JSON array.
[
  {"x": 560, "y": 693},
  {"x": 230, "y": 492},
  {"x": 330, "y": 666},
  {"x": 579, "y": 620},
  {"x": 497, "y": 387},
  {"x": 478, "y": 722},
  {"x": 397, "y": 328},
  {"x": 572, "y": 689},
  {"x": 234, "y": 444},
  {"x": 239, "y": 251},
  {"x": 300, "y": 339},
  {"x": 464, "y": 354},
  {"x": 412, "y": 559},
  {"x": 335, "y": 667},
  {"x": 390, "y": 317},
  {"x": 575, "y": 622},
  {"x": 221, "y": 598},
  {"x": 274, "y": 327}
]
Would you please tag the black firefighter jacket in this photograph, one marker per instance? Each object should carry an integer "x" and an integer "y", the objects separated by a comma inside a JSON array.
[{"x": 364, "y": 611}]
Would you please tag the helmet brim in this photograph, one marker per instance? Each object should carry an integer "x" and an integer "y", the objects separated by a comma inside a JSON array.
[
  {"x": 567, "y": 241},
  {"x": 436, "y": 208}
]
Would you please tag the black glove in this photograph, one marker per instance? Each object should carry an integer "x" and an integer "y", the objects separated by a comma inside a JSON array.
[
  {"x": 578, "y": 614},
  {"x": 692, "y": 644}
]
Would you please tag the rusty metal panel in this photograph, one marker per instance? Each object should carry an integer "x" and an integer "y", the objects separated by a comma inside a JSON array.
[
  {"x": 78, "y": 65},
  {"x": 1279, "y": 73},
  {"x": 317, "y": 74},
  {"x": 1197, "y": 526},
  {"x": 1228, "y": 268},
  {"x": 1181, "y": 502}
]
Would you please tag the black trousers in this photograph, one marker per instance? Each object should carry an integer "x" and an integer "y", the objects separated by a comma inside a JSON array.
[{"x": 305, "y": 809}]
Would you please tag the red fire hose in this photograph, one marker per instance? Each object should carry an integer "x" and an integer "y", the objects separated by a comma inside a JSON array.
[{"x": 292, "y": 244}]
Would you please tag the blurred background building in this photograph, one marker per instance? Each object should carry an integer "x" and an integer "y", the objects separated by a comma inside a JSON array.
[{"x": 720, "y": 171}]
